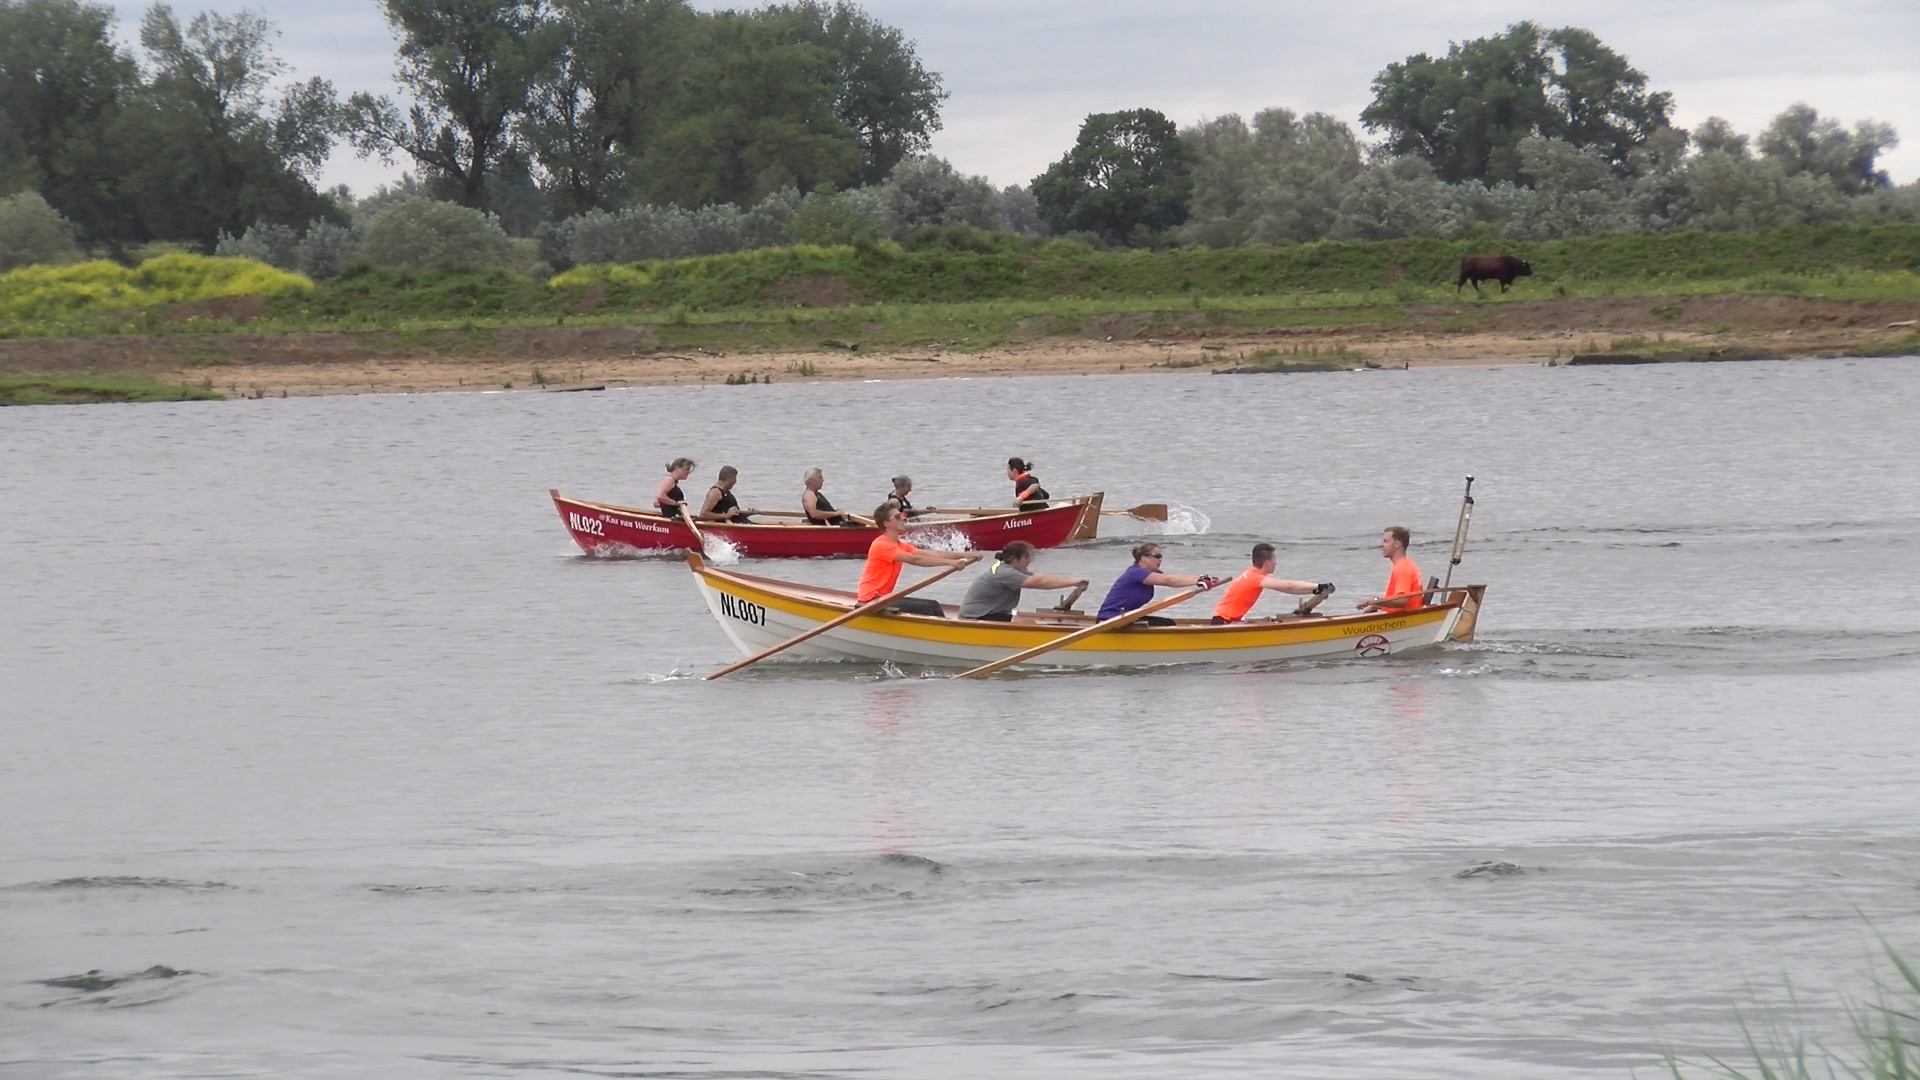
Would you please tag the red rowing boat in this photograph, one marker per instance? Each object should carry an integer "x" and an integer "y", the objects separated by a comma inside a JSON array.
[{"x": 605, "y": 529}]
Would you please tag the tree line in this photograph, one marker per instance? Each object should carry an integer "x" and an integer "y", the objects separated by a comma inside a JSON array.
[{"x": 621, "y": 130}]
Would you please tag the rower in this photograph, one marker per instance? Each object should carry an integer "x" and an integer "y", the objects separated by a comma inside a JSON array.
[
  {"x": 889, "y": 552},
  {"x": 1402, "y": 580},
  {"x": 1027, "y": 492},
  {"x": 994, "y": 594},
  {"x": 1244, "y": 591},
  {"x": 669, "y": 500},
  {"x": 897, "y": 498},
  {"x": 814, "y": 502},
  {"x": 720, "y": 504},
  {"x": 1134, "y": 587}
]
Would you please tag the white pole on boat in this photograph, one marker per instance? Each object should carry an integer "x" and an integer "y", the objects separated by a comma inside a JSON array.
[{"x": 1460, "y": 532}]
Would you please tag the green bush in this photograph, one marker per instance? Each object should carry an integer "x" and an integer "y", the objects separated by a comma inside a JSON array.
[
  {"x": 39, "y": 293},
  {"x": 34, "y": 234},
  {"x": 423, "y": 234}
]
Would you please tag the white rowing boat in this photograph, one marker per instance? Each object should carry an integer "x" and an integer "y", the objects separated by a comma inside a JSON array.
[{"x": 760, "y": 612}]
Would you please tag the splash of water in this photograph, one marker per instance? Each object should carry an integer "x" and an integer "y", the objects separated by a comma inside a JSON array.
[
  {"x": 940, "y": 538},
  {"x": 1184, "y": 520},
  {"x": 720, "y": 551}
]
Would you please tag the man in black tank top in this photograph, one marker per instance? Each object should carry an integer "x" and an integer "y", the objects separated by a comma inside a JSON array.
[{"x": 721, "y": 504}]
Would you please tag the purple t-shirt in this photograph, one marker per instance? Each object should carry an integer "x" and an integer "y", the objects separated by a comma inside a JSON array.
[{"x": 1130, "y": 590}]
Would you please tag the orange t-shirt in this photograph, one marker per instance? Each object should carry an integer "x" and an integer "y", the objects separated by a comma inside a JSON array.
[
  {"x": 1405, "y": 579},
  {"x": 882, "y": 573},
  {"x": 1241, "y": 595}
]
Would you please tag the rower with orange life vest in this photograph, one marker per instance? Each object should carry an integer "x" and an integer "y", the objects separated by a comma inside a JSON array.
[
  {"x": 1244, "y": 591},
  {"x": 1403, "y": 580},
  {"x": 1027, "y": 492}
]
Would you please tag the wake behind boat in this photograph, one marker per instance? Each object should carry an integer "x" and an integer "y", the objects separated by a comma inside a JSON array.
[
  {"x": 759, "y": 612},
  {"x": 607, "y": 529}
]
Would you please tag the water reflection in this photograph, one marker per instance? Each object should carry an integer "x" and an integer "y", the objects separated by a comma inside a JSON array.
[{"x": 885, "y": 711}]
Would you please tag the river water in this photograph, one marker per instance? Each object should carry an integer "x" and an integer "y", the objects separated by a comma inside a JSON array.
[{"x": 315, "y": 721}]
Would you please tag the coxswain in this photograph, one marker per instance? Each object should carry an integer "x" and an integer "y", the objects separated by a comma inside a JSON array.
[
  {"x": 720, "y": 504},
  {"x": 888, "y": 553},
  {"x": 814, "y": 502},
  {"x": 1027, "y": 492},
  {"x": 1134, "y": 587},
  {"x": 897, "y": 498},
  {"x": 669, "y": 500},
  {"x": 1403, "y": 581},
  {"x": 994, "y": 594},
  {"x": 1243, "y": 592}
]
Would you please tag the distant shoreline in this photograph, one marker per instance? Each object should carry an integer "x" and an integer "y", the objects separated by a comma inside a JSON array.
[{"x": 1466, "y": 334}]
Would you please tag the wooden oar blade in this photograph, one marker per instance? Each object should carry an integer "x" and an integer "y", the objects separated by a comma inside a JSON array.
[{"x": 1145, "y": 512}]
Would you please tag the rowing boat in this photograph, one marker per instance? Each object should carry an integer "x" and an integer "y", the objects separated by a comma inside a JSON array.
[
  {"x": 606, "y": 529},
  {"x": 757, "y": 612}
]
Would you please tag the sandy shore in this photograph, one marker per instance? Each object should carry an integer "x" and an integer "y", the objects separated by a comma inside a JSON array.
[{"x": 577, "y": 357}]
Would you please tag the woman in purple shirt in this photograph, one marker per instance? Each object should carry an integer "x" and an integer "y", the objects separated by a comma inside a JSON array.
[{"x": 1134, "y": 587}]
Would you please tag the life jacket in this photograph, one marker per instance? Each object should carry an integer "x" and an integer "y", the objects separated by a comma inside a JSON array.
[
  {"x": 677, "y": 496},
  {"x": 726, "y": 504},
  {"x": 1023, "y": 482}
]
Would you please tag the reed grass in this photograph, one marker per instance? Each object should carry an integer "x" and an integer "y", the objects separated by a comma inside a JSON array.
[{"x": 1885, "y": 1041}]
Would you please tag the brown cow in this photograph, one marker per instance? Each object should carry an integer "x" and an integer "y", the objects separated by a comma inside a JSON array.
[{"x": 1501, "y": 268}]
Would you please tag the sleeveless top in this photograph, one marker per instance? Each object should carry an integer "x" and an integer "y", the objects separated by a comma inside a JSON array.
[
  {"x": 1241, "y": 595},
  {"x": 905, "y": 506},
  {"x": 821, "y": 505},
  {"x": 726, "y": 504},
  {"x": 677, "y": 496},
  {"x": 1021, "y": 483}
]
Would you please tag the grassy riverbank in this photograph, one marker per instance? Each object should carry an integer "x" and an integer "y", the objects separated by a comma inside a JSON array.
[
  {"x": 93, "y": 389},
  {"x": 974, "y": 290}
]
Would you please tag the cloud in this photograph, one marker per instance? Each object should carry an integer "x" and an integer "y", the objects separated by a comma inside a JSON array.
[{"x": 1024, "y": 73}]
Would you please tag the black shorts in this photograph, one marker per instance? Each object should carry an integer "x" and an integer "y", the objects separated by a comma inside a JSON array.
[
  {"x": 1153, "y": 620},
  {"x": 995, "y": 616},
  {"x": 1218, "y": 621},
  {"x": 918, "y": 605}
]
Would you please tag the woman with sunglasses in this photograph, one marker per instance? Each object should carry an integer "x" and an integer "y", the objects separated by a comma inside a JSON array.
[{"x": 1134, "y": 587}]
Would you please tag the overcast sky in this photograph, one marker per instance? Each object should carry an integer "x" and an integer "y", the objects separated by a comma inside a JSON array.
[{"x": 1022, "y": 74}]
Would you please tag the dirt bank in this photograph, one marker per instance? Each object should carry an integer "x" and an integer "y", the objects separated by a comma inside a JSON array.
[{"x": 1466, "y": 333}]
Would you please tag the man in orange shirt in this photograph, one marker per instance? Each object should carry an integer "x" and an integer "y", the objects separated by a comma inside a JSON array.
[
  {"x": 888, "y": 553},
  {"x": 1404, "y": 578},
  {"x": 1244, "y": 592}
]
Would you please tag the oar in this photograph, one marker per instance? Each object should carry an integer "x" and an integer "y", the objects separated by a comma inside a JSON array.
[
  {"x": 687, "y": 516},
  {"x": 1145, "y": 512},
  {"x": 1114, "y": 623},
  {"x": 862, "y": 609}
]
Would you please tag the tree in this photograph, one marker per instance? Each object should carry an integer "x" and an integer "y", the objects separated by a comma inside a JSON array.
[
  {"x": 1467, "y": 112},
  {"x": 1280, "y": 181},
  {"x": 1573, "y": 192},
  {"x": 881, "y": 92},
  {"x": 1128, "y": 174},
  {"x": 1803, "y": 141},
  {"x": 1715, "y": 133},
  {"x": 424, "y": 234},
  {"x": 929, "y": 191},
  {"x": 34, "y": 234},
  {"x": 472, "y": 66},
  {"x": 1395, "y": 198},
  {"x": 205, "y": 149},
  {"x": 754, "y": 115},
  {"x": 62, "y": 80},
  {"x": 605, "y": 97}
]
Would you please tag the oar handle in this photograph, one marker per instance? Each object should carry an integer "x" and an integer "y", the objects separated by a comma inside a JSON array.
[{"x": 1115, "y": 623}]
